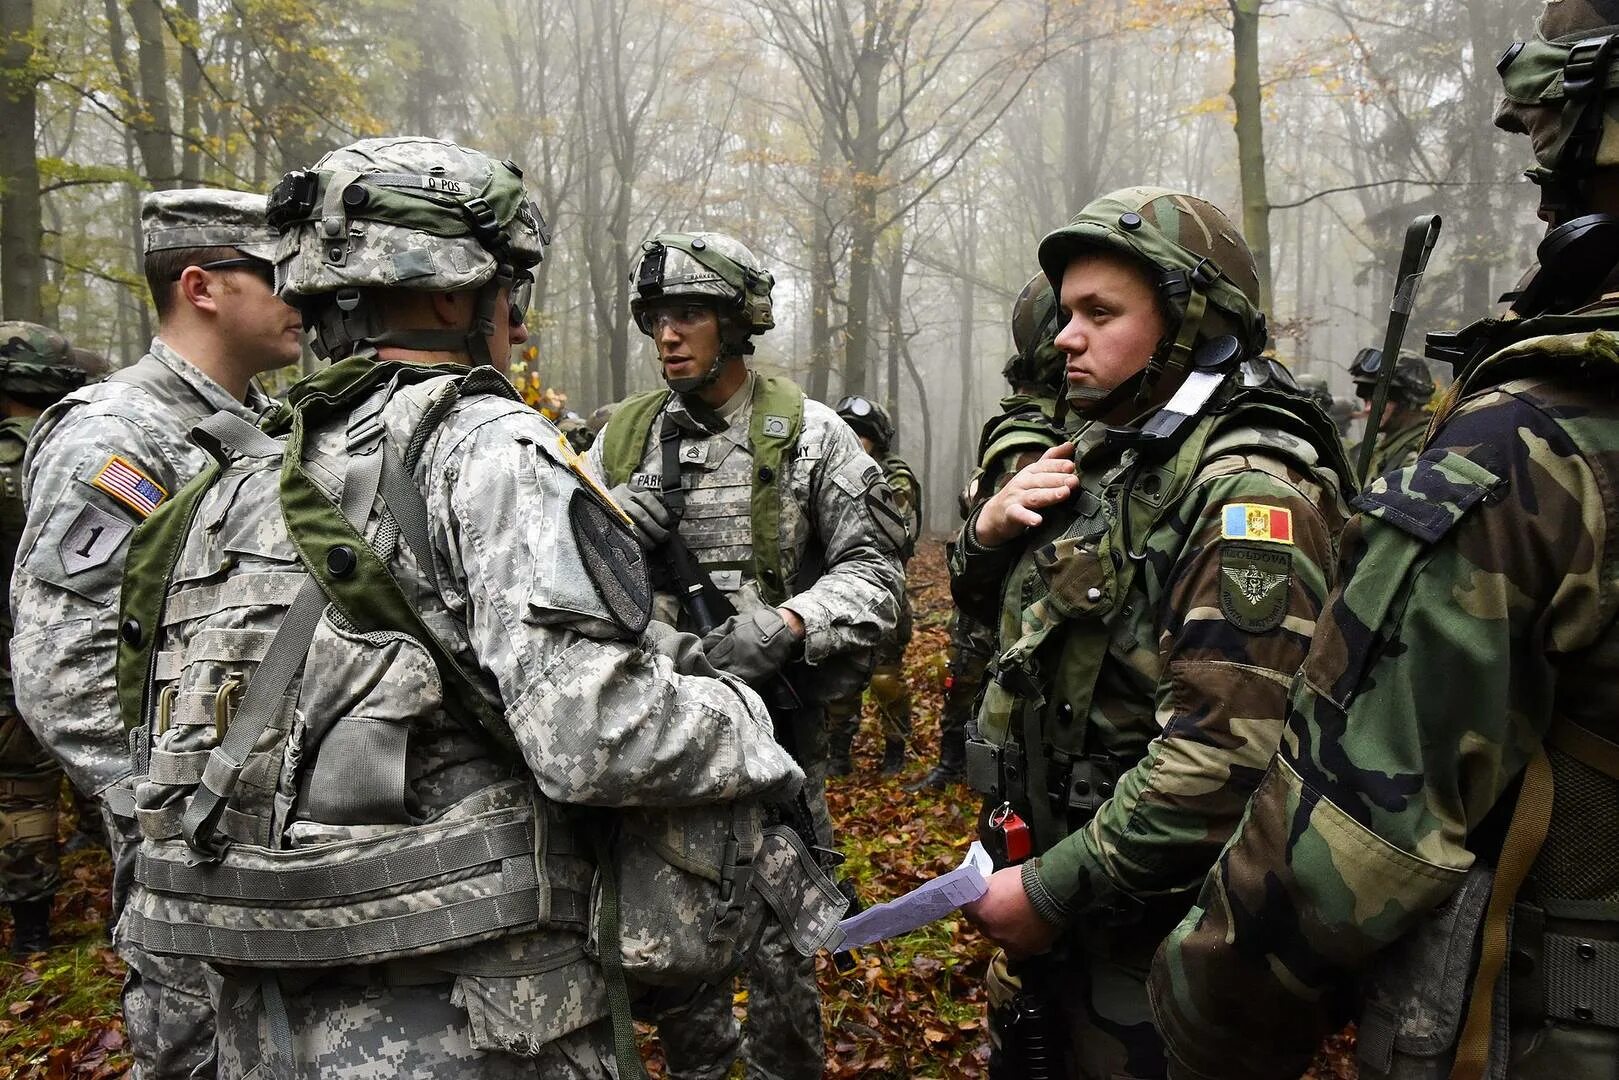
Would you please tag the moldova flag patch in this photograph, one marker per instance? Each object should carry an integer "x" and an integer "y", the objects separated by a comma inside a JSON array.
[
  {"x": 124, "y": 482},
  {"x": 1253, "y": 521}
]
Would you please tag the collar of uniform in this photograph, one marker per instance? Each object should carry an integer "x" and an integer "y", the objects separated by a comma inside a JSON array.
[
  {"x": 734, "y": 406},
  {"x": 212, "y": 393}
]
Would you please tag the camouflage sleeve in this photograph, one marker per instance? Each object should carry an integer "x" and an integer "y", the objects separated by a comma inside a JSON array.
[
  {"x": 1424, "y": 693},
  {"x": 600, "y": 719},
  {"x": 64, "y": 592},
  {"x": 1248, "y": 554},
  {"x": 854, "y": 604}
]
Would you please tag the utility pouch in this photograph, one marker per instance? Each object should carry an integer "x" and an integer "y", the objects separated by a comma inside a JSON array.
[
  {"x": 1416, "y": 997},
  {"x": 983, "y": 767}
]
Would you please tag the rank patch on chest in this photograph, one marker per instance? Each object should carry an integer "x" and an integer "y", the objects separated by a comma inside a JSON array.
[
  {"x": 124, "y": 482},
  {"x": 1255, "y": 521},
  {"x": 1254, "y": 585}
]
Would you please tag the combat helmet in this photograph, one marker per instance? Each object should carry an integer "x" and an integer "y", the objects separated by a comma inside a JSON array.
[
  {"x": 38, "y": 366},
  {"x": 868, "y": 418},
  {"x": 1411, "y": 384},
  {"x": 1037, "y": 361},
  {"x": 1559, "y": 90},
  {"x": 403, "y": 213},
  {"x": 1205, "y": 275},
  {"x": 1315, "y": 387},
  {"x": 707, "y": 268}
]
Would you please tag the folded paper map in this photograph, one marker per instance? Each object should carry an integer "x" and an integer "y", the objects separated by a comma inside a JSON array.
[{"x": 925, "y": 903}]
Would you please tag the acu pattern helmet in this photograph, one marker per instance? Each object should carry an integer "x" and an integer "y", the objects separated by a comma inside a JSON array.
[
  {"x": 1204, "y": 274},
  {"x": 868, "y": 418},
  {"x": 706, "y": 267},
  {"x": 1412, "y": 384},
  {"x": 1562, "y": 90},
  {"x": 405, "y": 213},
  {"x": 38, "y": 366},
  {"x": 1037, "y": 362}
]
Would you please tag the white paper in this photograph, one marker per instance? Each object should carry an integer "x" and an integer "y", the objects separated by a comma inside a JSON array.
[
  {"x": 1195, "y": 392},
  {"x": 927, "y": 902}
]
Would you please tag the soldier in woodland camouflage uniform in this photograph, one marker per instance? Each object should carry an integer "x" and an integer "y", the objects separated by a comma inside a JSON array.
[
  {"x": 1155, "y": 584},
  {"x": 36, "y": 368},
  {"x": 1456, "y": 717},
  {"x": 791, "y": 524},
  {"x": 1339, "y": 409},
  {"x": 102, "y": 460},
  {"x": 498, "y": 666},
  {"x": 889, "y": 691},
  {"x": 1026, "y": 427},
  {"x": 1405, "y": 416}
]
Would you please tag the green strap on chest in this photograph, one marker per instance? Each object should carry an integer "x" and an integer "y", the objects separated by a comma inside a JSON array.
[
  {"x": 625, "y": 437},
  {"x": 774, "y": 427},
  {"x": 778, "y": 417}
]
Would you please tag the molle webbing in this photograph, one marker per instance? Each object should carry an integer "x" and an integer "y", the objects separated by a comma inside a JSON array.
[{"x": 1531, "y": 818}]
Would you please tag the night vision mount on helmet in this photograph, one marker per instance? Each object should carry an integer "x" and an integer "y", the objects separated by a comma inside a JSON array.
[
  {"x": 1201, "y": 268},
  {"x": 403, "y": 213}
]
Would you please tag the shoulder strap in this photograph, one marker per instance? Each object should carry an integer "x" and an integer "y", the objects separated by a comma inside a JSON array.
[
  {"x": 624, "y": 439},
  {"x": 778, "y": 418}
]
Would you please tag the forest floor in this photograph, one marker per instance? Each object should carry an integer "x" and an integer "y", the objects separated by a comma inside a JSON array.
[{"x": 913, "y": 1006}]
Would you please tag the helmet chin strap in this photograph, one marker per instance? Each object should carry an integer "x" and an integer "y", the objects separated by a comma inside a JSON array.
[
  {"x": 350, "y": 325},
  {"x": 732, "y": 347}
]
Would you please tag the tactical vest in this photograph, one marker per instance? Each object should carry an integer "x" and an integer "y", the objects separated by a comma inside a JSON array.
[
  {"x": 1533, "y": 939},
  {"x": 275, "y": 675},
  {"x": 1035, "y": 749},
  {"x": 776, "y": 420}
]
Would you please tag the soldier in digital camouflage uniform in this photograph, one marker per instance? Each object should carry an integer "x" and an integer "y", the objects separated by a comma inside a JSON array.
[
  {"x": 794, "y": 526},
  {"x": 1026, "y": 426},
  {"x": 1155, "y": 585},
  {"x": 515, "y": 680},
  {"x": 99, "y": 463},
  {"x": 1405, "y": 415},
  {"x": 1464, "y": 677},
  {"x": 889, "y": 691},
  {"x": 37, "y": 367}
]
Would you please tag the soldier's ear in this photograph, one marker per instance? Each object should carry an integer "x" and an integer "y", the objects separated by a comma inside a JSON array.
[
  {"x": 450, "y": 310},
  {"x": 198, "y": 288}
]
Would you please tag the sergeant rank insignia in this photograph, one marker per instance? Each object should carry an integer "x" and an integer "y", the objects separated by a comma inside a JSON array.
[{"x": 1254, "y": 581}]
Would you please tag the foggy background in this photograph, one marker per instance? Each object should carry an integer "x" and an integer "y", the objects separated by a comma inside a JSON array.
[{"x": 892, "y": 162}]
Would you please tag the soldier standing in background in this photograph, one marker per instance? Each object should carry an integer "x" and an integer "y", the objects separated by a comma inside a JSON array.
[
  {"x": 1155, "y": 585},
  {"x": 1405, "y": 416},
  {"x": 37, "y": 368},
  {"x": 1432, "y": 848},
  {"x": 1026, "y": 427},
  {"x": 760, "y": 501},
  {"x": 100, "y": 462},
  {"x": 889, "y": 692}
]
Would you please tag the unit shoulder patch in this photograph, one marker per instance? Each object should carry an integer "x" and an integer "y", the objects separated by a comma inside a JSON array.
[
  {"x": 1256, "y": 521},
  {"x": 614, "y": 560},
  {"x": 92, "y": 539},
  {"x": 125, "y": 482},
  {"x": 1254, "y": 583}
]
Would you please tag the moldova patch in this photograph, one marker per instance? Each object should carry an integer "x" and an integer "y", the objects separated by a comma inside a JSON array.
[
  {"x": 124, "y": 482},
  {"x": 1254, "y": 521},
  {"x": 1254, "y": 583}
]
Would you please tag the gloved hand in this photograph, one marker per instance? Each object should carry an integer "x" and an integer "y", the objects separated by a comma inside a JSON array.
[
  {"x": 753, "y": 646},
  {"x": 686, "y": 650},
  {"x": 647, "y": 513}
]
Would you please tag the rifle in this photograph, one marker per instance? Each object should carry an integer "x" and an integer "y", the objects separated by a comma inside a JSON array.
[{"x": 1420, "y": 237}]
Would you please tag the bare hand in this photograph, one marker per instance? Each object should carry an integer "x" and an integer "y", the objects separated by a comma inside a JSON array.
[
  {"x": 1014, "y": 509},
  {"x": 1005, "y": 916}
]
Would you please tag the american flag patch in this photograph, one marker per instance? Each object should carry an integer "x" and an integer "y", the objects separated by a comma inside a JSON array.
[
  {"x": 1251, "y": 521},
  {"x": 129, "y": 486}
]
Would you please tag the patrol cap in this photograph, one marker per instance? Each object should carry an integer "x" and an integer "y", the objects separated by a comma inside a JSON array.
[{"x": 207, "y": 217}]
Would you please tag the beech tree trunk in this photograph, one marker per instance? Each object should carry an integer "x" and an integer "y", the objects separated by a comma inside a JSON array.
[
  {"x": 1251, "y": 138},
  {"x": 21, "y": 266}
]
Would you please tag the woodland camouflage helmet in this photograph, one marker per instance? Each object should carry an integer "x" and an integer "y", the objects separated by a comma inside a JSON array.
[
  {"x": 405, "y": 213},
  {"x": 1037, "y": 361},
  {"x": 37, "y": 363},
  {"x": 868, "y": 418},
  {"x": 1562, "y": 90},
  {"x": 1205, "y": 276},
  {"x": 1411, "y": 385}
]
